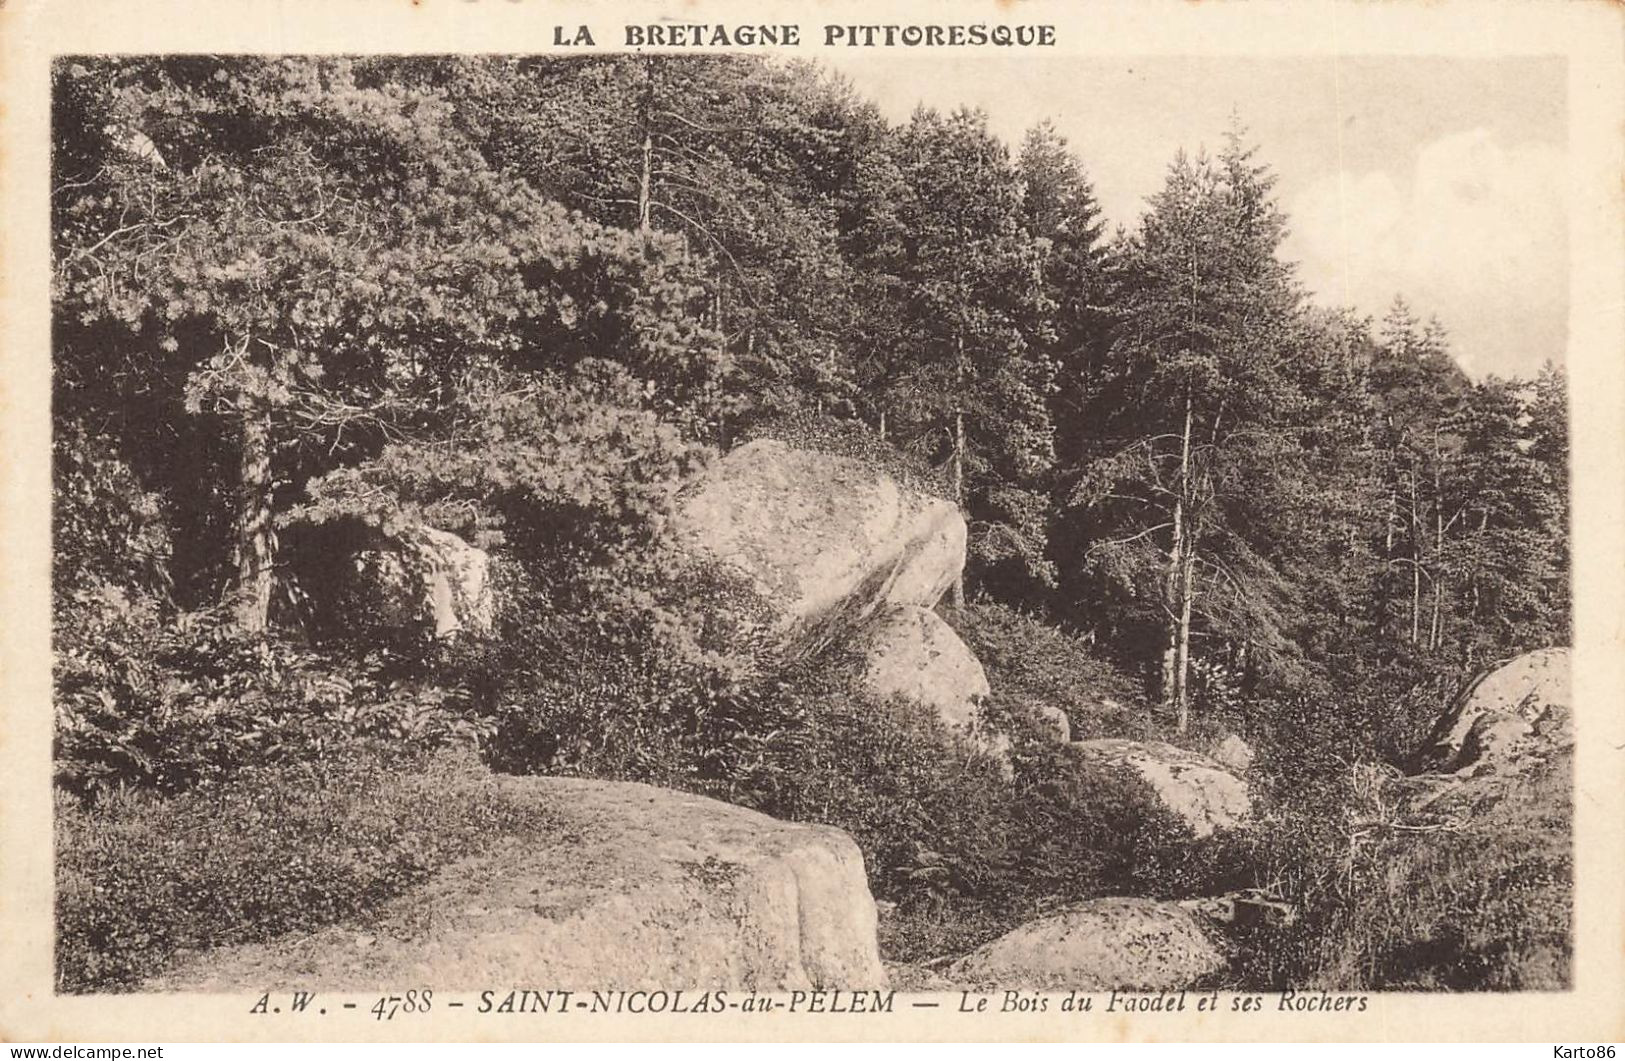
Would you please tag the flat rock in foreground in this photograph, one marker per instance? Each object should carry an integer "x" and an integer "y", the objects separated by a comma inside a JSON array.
[
  {"x": 626, "y": 886},
  {"x": 1100, "y": 945}
]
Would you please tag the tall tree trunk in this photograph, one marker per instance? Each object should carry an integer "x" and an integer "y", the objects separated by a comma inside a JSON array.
[
  {"x": 1177, "y": 592},
  {"x": 255, "y": 545},
  {"x": 645, "y": 179},
  {"x": 647, "y": 148},
  {"x": 1483, "y": 523},
  {"x": 1170, "y": 596},
  {"x": 1435, "y": 625},
  {"x": 957, "y": 465},
  {"x": 1416, "y": 567},
  {"x": 1182, "y": 660},
  {"x": 1393, "y": 517}
]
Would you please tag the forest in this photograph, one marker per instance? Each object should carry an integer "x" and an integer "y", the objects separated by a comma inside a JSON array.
[{"x": 302, "y": 305}]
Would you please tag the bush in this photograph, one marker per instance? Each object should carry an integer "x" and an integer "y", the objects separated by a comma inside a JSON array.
[
  {"x": 106, "y": 528},
  {"x": 929, "y": 809},
  {"x": 649, "y": 694},
  {"x": 943, "y": 830},
  {"x": 279, "y": 849},
  {"x": 1033, "y": 663},
  {"x": 173, "y": 702},
  {"x": 966, "y": 850},
  {"x": 1479, "y": 904}
]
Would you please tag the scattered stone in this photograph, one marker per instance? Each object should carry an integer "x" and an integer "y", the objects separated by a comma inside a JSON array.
[
  {"x": 1197, "y": 790},
  {"x": 1234, "y": 754},
  {"x": 460, "y": 583},
  {"x": 426, "y": 578},
  {"x": 1056, "y": 723},
  {"x": 916, "y": 978},
  {"x": 910, "y": 652},
  {"x": 1242, "y": 909},
  {"x": 1103, "y": 944}
]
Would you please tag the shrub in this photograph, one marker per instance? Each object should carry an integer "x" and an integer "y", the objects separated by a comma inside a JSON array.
[
  {"x": 279, "y": 849},
  {"x": 1477, "y": 904},
  {"x": 650, "y": 694},
  {"x": 929, "y": 809},
  {"x": 106, "y": 528},
  {"x": 966, "y": 850},
  {"x": 170, "y": 703},
  {"x": 942, "y": 828},
  {"x": 1036, "y": 664}
]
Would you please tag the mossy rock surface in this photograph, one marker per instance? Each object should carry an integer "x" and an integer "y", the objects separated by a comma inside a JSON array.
[{"x": 622, "y": 886}]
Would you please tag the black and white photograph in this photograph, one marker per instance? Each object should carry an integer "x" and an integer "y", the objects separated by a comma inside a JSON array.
[{"x": 744, "y": 520}]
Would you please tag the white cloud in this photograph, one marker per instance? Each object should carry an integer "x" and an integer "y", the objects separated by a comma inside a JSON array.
[{"x": 1475, "y": 233}]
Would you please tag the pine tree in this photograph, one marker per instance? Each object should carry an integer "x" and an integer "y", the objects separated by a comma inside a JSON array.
[
  {"x": 969, "y": 385},
  {"x": 309, "y": 258},
  {"x": 1201, "y": 412}
]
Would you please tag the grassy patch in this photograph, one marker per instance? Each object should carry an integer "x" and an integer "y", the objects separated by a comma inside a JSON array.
[
  {"x": 141, "y": 878},
  {"x": 1028, "y": 661},
  {"x": 1476, "y": 895}
]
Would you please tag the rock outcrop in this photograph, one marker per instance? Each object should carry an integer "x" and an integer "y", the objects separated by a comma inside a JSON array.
[
  {"x": 910, "y": 652},
  {"x": 826, "y": 541},
  {"x": 623, "y": 886},
  {"x": 1104, "y": 944},
  {"x": 426, "y": 579},
  {"x": 1517, "y": 707},
  {"x": 836, "y": 549},
  {"x": 1489, "y": 813},
  {"x": 1504, "y": 746},
  {"x": 1197, "y": 790}
]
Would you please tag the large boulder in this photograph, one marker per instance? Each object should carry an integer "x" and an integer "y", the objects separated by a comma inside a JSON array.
[
  {"x": 422, "y": 578},
  {"x": 623, "y": 886},
  {"x": 826, "y": 541},
  {"x": 910, "y": 652},
  {"x": 1516, "y": 708},
  {"x": 1504, "y": 747},
  {"x": 1103, "y": 944},
  {"x": 1194, "y": 788},
  {"x": 1489, "y": 812}
]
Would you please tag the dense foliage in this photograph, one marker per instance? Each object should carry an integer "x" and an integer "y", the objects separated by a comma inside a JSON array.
[
  {"x": 307, "y": 306},
  {"x": 309, "y": 844}
]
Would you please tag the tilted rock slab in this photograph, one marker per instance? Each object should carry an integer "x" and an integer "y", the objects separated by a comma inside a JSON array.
[
  {"x": 911, "y": 652},
  {"x": 1104, "y": 944},
  {"x": 624, "y": 886},
  {"x": 1519, "y": 706},
  {"x": 826, "y": 541},
  {"x": 1200, "y": 792}
]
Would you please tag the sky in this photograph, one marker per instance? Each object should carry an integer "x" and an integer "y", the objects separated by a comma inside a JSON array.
[{"x": 1439, "y": 179}]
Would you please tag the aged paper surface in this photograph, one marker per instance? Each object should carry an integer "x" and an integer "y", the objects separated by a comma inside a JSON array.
[{"x": 1578, "y": 46}]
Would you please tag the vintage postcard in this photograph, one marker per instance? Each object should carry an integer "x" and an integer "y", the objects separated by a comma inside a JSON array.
[{"x": 529, "y": 520}]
